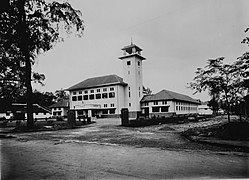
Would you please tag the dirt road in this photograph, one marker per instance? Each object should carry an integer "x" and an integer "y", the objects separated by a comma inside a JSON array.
[{"x": 79, "y": 154}]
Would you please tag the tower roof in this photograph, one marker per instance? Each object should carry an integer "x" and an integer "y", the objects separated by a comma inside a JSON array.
[
  {"x": 131, "y": 46},
  {"x": 132, "y": 50}
]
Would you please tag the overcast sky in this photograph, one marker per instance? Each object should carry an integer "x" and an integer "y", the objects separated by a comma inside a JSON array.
[{"x": 177, "y": 37}]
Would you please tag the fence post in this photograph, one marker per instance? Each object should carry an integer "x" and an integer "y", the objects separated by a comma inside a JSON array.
[{"x": 124, "y": 116}]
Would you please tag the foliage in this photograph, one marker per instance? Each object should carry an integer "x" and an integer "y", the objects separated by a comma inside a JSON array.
[
  {"x": 147, "y": 91},
  {"x": 28, "y": 28},
  {"x": 223, "y": 81},
  {"x": 61, "y": 94}
]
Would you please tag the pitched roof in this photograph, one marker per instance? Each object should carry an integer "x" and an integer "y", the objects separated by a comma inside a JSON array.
[
  {"x": 23, "y": 108},
  {"x": 168, "y": 95},
  {"x": 98, "y": 81},
  {"x": 61, "y": 103}
]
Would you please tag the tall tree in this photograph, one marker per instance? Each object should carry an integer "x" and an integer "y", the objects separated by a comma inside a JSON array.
[
  {"x": 223, "y": 80},
  {"x": 61, "y": 94},
  {"x": 28, "y": 28}
]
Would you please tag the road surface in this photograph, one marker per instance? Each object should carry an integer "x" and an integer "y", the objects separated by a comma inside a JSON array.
[{"x": 31, "y": 157}]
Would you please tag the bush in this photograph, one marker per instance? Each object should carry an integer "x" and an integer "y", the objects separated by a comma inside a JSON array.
[{"x": 59, "y": 118}]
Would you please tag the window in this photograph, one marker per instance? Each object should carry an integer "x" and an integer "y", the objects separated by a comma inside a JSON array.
[
  {"x": 112, "y": 111},
  {"x": 85, "y": 97},
  {"x": 176, "y": 108},
  {"x": 139, "y": 94},
  {"x": 59, "y": 108},
  {"x": 165, "y": 109},
  {"x": 164, "y": 102},
  {"x": 130, "y": 104},
  {"x": 91, "y": 96},
  {"x": 98, "y": 96},
  {"x": 105, "y": 105},
  {"x": 85, "y": 92},
  {"x": 112, "y": 105},
  {"x": 80, "y": 92},
  {"x": 111, "y": 94},
  {"x": 112, "y": 89},
  {"x": 36, "y": 113},
  {"x": 128, "y": 72},
  {"x": 92, "y": 91},
  {"x": 138, "y": 63},
  {"x": 155, "y": 109},
  {"x": 146, "y": 104},
  {"x": 129, "y": 94},
  {"x": 104, "y": 96},
  {"x": 74, "y": 93},
  {"x": 79, "y": 98},
  {"x": 105, "y": 89},
  {"x": 98, "y": 90},
  {"x": 129, "y": 88},
  {"x": 7, "y": 114},
  {"x": 74, "y": 98},
  {"x": 54, "y": 113},
  {"x": 155, "y": 102},
  {"x": 44, "y": 113},
  {"x": 128, "y": 63}
]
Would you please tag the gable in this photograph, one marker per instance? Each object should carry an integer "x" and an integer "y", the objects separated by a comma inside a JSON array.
[{"x": 98, "y": 81}]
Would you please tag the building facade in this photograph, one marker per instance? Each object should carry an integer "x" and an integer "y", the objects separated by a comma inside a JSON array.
[
  {"x": 98, "y": 96},
  {"x": 165, "y": 103},
  {"x": 106, "y": 95},
  {"x": 60, "y": 108},
  {"x": 19, "y": 111}
]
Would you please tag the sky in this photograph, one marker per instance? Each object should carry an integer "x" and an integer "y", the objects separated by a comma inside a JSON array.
[{"x": 177, "y": 37}]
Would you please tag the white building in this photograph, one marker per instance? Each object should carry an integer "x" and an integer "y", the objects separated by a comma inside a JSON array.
[
  {"x": 19, "y": 111},
  {"x": 107, "y": 95},
  {"x": 204, "y": 109},
  {"x": 166, "y": 103},
  {"x": 60, "y": 108}
]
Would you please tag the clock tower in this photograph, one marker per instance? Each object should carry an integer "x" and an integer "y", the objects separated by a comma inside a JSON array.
[{"x": 133, "y": 75}]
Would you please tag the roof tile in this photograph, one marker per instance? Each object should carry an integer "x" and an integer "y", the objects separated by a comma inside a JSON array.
[
  {"x": 98, "y": 81},
  {"x": 168, "y": 95}
]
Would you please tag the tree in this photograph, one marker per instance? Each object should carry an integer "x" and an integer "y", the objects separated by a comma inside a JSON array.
[
  {"x": 221, "y": 80},
  {"x": 61, "y": 94},
  {"x": 28, "y": 28},
  {"x": 44, "y": 98},
  {"x": 147, "y": 91}
]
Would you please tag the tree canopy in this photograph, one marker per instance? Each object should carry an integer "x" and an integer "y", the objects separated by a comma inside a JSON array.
[
  {"x": 28, "y": 28},
  {"x": 226, "y": 83}
]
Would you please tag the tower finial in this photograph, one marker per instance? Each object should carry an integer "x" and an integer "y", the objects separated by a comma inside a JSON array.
[{"x": 131, "y": 41}]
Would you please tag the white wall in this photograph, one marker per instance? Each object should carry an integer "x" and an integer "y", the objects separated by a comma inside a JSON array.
[
  {"x": 204, "y": 109},
  {"x": 177, "y": 107},
  {"x": 63, "y": 111},
  {"x": 133, "y": 75},
  {"x": 118, "y": 100}
]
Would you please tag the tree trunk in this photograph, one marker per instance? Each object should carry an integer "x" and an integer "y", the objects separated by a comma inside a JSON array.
[
  {"x": 228, "y": 107},
  {"x": 29, "y": 94},
  {"x": 228, "y": 112},
  {"x": 28, "y": 71}
]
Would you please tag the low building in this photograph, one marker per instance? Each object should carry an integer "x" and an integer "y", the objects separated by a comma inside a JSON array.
[
  {"x": 19, "y": 111},
  {"x": 166, "y": 103},
  {"x": 204, "y": 109},
  {"x": 60, "y": 108}
]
